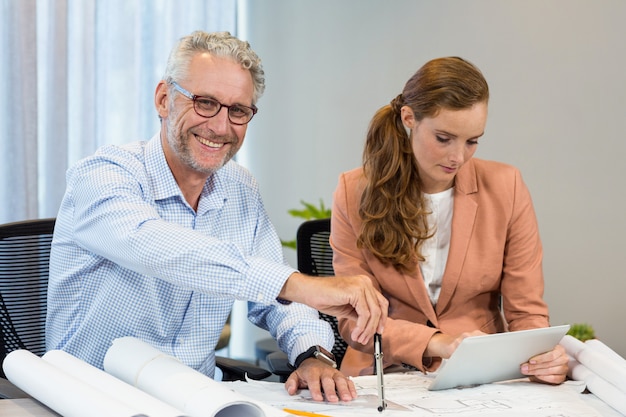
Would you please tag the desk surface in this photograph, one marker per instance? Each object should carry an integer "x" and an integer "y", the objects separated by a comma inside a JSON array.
[
  {"x": 407, "y": 395},
  {"x": 25, "y": 407},
  {"x": 28, "y": 407}
]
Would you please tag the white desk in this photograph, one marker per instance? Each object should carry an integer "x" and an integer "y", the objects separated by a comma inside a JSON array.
[
  {"x": 519, "y": 398},
  {"x": 273, "y": 393},
  {"x": 25, "y": 407}
]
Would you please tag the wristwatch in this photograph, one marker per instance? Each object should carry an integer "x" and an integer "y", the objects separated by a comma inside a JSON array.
[{"x": 316, "y": 352}]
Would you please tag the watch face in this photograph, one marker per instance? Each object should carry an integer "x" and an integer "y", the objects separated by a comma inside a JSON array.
[{"x": 325, "y": 356}]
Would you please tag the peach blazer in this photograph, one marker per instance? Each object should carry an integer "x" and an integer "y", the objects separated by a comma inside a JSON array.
[{"x": 495, "y": 250}]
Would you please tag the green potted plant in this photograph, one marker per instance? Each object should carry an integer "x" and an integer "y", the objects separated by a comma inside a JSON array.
[
  {"x": 309, "y": 212},
  {"x": 582, "y": 331}
]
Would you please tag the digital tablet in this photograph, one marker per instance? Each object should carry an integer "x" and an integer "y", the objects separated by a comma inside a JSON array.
[{"x": 495, "y": 357}]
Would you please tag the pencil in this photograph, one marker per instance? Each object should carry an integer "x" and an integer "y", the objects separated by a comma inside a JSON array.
[{"x": 303, "y": 413}]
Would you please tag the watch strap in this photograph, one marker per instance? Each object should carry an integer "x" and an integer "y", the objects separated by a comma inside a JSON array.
[{"x": 317, "y": 352}]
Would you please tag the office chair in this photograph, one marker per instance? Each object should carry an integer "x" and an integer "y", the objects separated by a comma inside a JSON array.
[
  {"x": 24, "y": 258},
  {"x": 24, "y": 263},
  {"x": 315, "y": 257}
]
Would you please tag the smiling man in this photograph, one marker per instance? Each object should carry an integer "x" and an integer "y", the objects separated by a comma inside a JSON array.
[{"x": 157, "y": 239}]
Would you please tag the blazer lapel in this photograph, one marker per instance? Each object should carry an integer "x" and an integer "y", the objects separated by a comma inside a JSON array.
[{"x": 464, "y": 216}]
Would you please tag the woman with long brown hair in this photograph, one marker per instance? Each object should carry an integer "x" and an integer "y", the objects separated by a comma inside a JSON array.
[{"x": 451, "y": 241}]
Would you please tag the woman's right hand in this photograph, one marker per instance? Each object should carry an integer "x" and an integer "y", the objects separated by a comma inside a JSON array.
[{"x": 443, "y": 345}]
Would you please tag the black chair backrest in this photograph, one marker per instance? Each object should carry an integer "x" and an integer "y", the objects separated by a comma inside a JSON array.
[
  {"x": 315, "y": 257},
  {"x": 24, "y": 258}
]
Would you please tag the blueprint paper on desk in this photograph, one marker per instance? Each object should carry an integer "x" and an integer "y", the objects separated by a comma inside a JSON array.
[
  {"x": 517, "y": 398},
  {"x": 276, "y": 396}
]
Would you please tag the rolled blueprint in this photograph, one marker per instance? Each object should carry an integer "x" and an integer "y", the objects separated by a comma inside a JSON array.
[
  {"x": 165, "y": 377},
  {"x": 572, "y": 345},
  {"x": 602, "y": 389},
  {"x": 603, "y": 365},
  {"x": 60, "y": 391},
  {"x": 110, "y": 385},
  {"x": 600, "y": 347}
]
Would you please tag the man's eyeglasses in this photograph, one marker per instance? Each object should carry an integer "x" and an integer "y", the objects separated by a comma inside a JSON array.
[{"x": 238, "y": 114}]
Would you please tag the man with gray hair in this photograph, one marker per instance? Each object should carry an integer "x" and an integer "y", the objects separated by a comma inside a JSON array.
[{"x": 156, "y": 239}]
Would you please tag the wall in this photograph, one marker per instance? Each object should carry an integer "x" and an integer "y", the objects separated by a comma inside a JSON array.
[{"x": 556, "y": 72}]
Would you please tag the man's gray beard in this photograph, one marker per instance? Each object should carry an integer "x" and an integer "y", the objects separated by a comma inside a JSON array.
[{"x": 181, "y": 147}]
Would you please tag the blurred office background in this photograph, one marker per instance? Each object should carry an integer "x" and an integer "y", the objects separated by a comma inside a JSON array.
[{"x": 558, "y": 99}]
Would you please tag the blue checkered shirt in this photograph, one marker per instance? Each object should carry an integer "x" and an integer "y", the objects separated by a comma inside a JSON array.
[{"x": 130, "y": 257}]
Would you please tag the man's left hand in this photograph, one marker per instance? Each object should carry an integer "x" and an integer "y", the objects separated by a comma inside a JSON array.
[{"x": 322, "y": 380}]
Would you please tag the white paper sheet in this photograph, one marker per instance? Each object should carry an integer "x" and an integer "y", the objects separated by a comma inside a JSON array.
[
  {"x": 60, "y": 391},
  {"x": 169, "y": 380},
  {"x": 110, "y": 385}
]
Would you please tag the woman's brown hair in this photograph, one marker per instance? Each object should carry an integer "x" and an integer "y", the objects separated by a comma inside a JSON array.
[{"x": 392, "y": 207}]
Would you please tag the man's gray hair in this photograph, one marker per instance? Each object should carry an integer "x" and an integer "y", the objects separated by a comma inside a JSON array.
[{"x": 221, "y": 44}]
